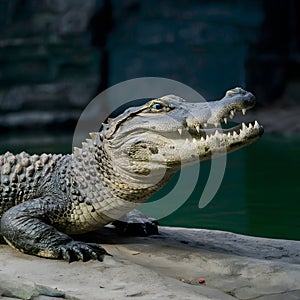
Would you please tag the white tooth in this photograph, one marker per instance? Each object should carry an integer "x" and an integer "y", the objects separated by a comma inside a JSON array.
[
  {"x": 244, "y": 111},
  {"x": 205, "y": 124},
  {"x": 228, "y": 134},
  {"x": 256, "y": 125},
  {"x": 186, "y": 140},
  {"x": 216, "y": 124},
  {"x": 180, "y": 131},
  {"x": 198, "y": 128},
  {"x": 244, "y": 127},
  {"x": 202, "y": 139},
  {"x": 225, "y": 120},
  {"x": 231, "y": 114},
  {"x": 250, "y": 126},
  {"x": 235, "y": 134},
  {"x": 217, "y": 132},
  {"x": 194, "y": 140},
  {"x": 93, "y": 134}
]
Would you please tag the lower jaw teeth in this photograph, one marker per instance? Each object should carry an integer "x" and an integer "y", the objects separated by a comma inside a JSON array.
[{"x": 235, "y": 133}]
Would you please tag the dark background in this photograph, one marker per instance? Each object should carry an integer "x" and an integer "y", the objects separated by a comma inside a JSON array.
[{"x": 56, "y": 55}]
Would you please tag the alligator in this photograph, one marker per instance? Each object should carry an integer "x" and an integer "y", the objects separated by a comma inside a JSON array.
[{"x": 47, "y": 199}]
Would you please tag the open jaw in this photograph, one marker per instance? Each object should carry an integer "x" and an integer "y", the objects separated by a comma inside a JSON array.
[{"x": 217, "y": 138}]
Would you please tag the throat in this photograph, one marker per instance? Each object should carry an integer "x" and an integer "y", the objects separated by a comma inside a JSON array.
[
  {"x": 137, "y": 193},
  {"x": 134, "y": 185}
]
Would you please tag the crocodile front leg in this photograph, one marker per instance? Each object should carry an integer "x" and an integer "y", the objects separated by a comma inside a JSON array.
[{"x": 27, "y": 228}]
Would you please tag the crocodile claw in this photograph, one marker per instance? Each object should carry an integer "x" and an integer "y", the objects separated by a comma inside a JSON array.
[
  {"x": 146, "y": 228},
  {"x": 80, "y": 251}
]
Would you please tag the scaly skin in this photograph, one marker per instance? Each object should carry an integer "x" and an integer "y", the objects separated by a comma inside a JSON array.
[{"x": 45, "y": 198}]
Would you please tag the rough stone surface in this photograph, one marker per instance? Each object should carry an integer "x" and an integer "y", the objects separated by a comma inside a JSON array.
[
  {"x": 166, "y": 266},
  {"x": 49, "y": 69}
]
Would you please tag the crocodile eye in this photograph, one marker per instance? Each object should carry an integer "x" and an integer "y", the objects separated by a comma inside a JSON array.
[{"x": 157, "y": 106}]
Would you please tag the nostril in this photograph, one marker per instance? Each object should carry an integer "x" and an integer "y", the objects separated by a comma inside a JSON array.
[
  {"x": 237, "y": 90},
  {"x": 230, "y": 93}
]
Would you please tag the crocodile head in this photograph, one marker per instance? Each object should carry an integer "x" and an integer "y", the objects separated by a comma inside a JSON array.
[{"x": 166, "y": 133}]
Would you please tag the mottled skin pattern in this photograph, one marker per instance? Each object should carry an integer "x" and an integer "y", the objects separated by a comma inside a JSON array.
[{"x": 45, "y": 198}]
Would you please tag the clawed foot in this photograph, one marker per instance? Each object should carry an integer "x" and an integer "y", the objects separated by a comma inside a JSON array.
[
  {"x": 75, "y": 251},
  {"x": 136, "y": 224}
]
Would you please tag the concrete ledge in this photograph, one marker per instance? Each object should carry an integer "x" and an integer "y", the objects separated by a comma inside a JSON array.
[{"x": 166, "y": 266}]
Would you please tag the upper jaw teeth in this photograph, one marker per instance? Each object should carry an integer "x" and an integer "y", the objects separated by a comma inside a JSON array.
[
  {"x": 233, "y": 111},
  {"x": 206, "y": 127},
  {"x": 231, "y": 114}
]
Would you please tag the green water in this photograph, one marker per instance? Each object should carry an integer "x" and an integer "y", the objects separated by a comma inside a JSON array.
[{"x": 259, "y": 194}]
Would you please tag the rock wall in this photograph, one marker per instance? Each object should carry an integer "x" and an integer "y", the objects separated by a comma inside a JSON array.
[
  {"x": 48, "y": 67},
  {"x": 200, "y": 43},
  {"x": 56, "y": 55}
]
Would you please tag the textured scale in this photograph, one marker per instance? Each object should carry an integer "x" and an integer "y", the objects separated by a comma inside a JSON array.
[
  {"x": 57, "y": 194},
  {"x": 95, "y": 201},
  {"x": 22, "y": 177},
  {"x": 83, "y": 186}
]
